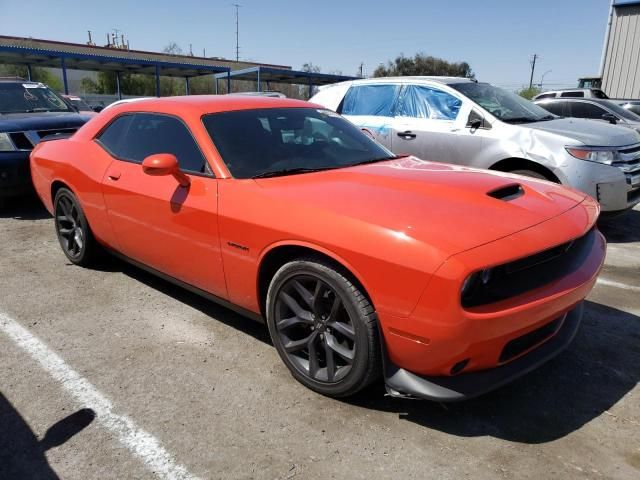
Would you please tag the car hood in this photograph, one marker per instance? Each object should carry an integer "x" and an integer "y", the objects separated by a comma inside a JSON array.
[
  {"x": 17, "y": 122},
  {"x": 444, "y": 206},
  {"x": 588, "y": 132}
]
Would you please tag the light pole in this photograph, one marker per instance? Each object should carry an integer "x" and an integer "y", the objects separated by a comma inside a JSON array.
[{"x": 542, "y": 78}]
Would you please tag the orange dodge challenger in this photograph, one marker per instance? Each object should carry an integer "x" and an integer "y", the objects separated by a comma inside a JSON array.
[{"x": 448, "y": 281}]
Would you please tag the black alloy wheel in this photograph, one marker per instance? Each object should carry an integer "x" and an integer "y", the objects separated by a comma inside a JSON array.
[
  {"x": 323, "y": 327},
  {"x": 75, "y": 237}
]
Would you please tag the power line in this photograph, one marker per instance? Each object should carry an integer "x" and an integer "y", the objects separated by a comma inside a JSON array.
[{"x": 237, "y": 30}]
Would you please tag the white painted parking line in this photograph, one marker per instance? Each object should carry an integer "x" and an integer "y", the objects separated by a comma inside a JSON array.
[
  {"x": 611, "y": 283},
  {"x": 138, "y": 441}
]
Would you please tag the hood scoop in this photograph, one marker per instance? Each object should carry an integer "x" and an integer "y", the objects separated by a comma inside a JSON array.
[{"x": 508, "y": 192}]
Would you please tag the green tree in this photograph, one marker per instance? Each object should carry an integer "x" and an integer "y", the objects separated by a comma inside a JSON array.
[
  {"x": 529, "y": 93},
  {"x": 38, "y": 74},
  {"x": 422, "y": 64}
]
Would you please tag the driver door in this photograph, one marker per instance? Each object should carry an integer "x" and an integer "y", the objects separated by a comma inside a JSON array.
[
  {"x": 157, "y": 222},
  {"x": 427, "y": 124}
]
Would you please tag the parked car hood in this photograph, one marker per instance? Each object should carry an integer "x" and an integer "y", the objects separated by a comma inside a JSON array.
[
  {"x": 588, "y": 132},
  {"x": 17, "y": 122},
  {"x": 443, "y": 206}
]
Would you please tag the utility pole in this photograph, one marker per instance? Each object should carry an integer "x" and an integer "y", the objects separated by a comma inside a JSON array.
[
  {"x": 533, "y": 67},
  {"x": 361, "y": 69},
  {"x": 237, "y": 44}
]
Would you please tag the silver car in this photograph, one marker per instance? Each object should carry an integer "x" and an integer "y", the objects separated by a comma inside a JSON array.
[
  {"x": 461, "y": 121},
  {"x": 592, "y": 108}
]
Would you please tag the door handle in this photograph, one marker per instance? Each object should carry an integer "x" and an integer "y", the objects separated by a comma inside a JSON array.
[
  {"x": 114, "y": 176},
  {"x": 408, "y": 135}
]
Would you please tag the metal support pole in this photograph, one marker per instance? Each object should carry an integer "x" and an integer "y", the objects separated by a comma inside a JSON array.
[
  {"x": 215, "y": 80},
  {"x": 29, "y": 73},
  {"x": 229, "y": 81},
  {"x": 186, "y": 85},
  {"x": 157, "y": 81},
  {"x": 259, "y": 84},
  {"x": 64, "y": 76},
  {"x": 310, "y": 87},
  {"x": 118, "y": 89}
]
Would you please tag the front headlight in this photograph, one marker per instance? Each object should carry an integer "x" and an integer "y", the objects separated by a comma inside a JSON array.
[
  {"x": 593, "y": 155},
  {"x": 6, "y": 145}
]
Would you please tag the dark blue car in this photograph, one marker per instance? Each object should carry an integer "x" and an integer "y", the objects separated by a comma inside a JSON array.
[{"x": 29, "y": 111}]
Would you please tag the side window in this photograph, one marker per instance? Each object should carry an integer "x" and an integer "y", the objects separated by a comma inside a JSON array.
[
  {"x": 598, "y": 93},
  {"x": 425, "y": 102},
  {"x": 545, "y": 95},
  {"x": 586, "y": 110},
  {"x": 374, "y": 100},
  {"x": 557, "y": 108},
  {"x": 112, "y": 137},
  {"x": 572, "y": 94},
  {"x": 149, "y": 134}
]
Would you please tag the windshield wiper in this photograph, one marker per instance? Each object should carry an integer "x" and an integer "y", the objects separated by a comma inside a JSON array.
[
  {"x": 520, "y": 120},
  {"x": 376, "y": 160},
  {"x": 290, "y": 171}
]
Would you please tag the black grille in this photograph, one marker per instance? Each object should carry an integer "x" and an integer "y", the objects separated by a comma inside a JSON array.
[
  {"x": 529, "y": 340},
  {"x": 21, "y": 141},
  {"x": 520, "y": 276},
  {"x": 44, "y": 133}
]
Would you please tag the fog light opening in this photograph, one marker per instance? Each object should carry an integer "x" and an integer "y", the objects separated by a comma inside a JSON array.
[{"x": 458, "y": 367}]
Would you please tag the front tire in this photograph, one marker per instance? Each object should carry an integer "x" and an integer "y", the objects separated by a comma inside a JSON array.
[
  {"x": 72, "y": 229},
  {"x": 323, "y": 327}
]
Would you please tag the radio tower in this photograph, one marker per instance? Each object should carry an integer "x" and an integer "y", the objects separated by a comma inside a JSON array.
[{"x": 237, "y": 44}]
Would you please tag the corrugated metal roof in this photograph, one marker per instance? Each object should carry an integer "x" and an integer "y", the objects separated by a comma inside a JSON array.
[
  {"x": 627, "y": 4},
  {"x": 54, "y": 48}
]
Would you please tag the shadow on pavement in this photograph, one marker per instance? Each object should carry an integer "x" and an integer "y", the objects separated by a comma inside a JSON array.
[
  {"x": 218, "y": 313},
  {"x": 22, "y": 455},
  {"x": 598, "y": 369},
  {"x": 579, "y": 385},
  {"x": 624, "y": 228},
  {"x": 27, "y": 207}
]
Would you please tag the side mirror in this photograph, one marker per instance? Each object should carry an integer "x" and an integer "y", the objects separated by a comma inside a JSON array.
[
  {"x": 97, "y": 108},
  {"x": 610, "y": 118},
  {"x": 162, "y": 164},
  {"x": 475, "y": 124}
]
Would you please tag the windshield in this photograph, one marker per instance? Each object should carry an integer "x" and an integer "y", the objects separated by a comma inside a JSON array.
[
  {"x": 284, "y": 141},
  {"x": 29, "y": 97},
  {"x": 504, "y": 105},
  {"x": 621, "y": 112}
]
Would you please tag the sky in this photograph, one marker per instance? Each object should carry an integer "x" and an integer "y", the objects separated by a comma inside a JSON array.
[{"x": 496, "y": 37}]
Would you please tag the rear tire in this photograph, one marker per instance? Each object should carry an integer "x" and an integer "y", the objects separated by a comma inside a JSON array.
[
  {"x": 323, "y": 327},
  {"x": 75, "y": 236}
]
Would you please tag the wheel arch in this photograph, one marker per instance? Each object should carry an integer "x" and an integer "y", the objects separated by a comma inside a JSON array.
[
  {"x": 275, "y": 256},
  {"x": 57, "y": 185},
  {"x": 517, "y": 163}
]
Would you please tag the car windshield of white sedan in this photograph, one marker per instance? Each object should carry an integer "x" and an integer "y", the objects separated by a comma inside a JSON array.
[
  {"x": 29, "y": 97},
  {"x": 285, "y": 141},
  {"x": 502, "y": 104}
]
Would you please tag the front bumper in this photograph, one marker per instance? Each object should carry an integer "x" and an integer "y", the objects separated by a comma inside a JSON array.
[
  {"x": 15, "y": 174},
  {"x": 615, "y": 189},
  {"x": 402, "y": 383}
]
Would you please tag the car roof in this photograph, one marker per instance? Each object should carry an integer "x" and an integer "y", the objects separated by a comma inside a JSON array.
[
  {"x": 414, "y": 78},
  {"x": 203, "y": 104},
  {"x": 16, "y": 80},
  {"x": 604, "y": 101}
]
